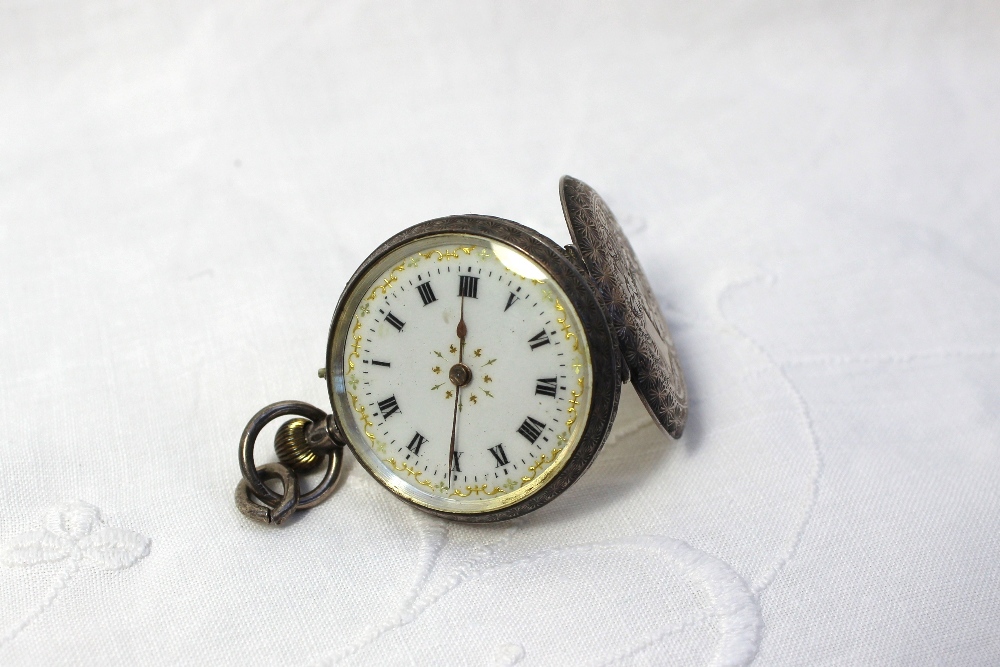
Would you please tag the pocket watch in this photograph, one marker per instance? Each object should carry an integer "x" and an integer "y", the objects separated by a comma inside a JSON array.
[{"x": 474, "y": 368}]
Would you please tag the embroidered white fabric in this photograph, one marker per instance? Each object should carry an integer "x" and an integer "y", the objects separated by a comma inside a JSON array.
[{"x": 813, "y": 188}]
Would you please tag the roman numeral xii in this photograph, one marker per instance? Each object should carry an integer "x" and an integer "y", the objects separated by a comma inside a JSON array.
[{"x": 468, "y": 286}]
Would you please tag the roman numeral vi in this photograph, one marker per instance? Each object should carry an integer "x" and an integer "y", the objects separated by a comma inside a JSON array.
[
  {"x": 454, "y": 461},
  {"x": 539, "y": 339}
]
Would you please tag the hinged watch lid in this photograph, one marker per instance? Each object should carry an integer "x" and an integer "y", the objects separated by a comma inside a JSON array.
[{"x": 629, "y": 303}]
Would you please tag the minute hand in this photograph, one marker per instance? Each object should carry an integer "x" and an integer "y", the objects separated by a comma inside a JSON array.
[
  {"x": 461, "y": 330},
  {"x": 451, "y": 448}
]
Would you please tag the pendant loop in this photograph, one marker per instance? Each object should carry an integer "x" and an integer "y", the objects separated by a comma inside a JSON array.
[
  {"x": 265, "y": 513},
  {"x": 320, "y": 434}
]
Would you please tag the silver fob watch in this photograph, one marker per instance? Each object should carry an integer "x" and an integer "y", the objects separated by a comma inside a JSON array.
[{"x": 474, "y": 368}]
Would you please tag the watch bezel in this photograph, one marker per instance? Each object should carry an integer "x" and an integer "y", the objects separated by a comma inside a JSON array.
[{"x": 606, "y": 389}]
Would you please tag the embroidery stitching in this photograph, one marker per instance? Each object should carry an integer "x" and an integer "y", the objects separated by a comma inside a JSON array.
[{"x": 73, "y": 533}]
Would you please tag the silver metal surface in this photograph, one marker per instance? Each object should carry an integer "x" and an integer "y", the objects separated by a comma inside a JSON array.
[
  {"x": 281, "y": 510},
  {"x": 629, "y": 303},
  {"x": 324, "y": 436},
  {"x": 625, "y": 330},
  {"x": 553, "y": 259},
  {"x": 326, "y": 486}
]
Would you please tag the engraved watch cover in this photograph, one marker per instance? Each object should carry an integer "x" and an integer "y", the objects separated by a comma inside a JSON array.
[{"x": 629, "y": 303}]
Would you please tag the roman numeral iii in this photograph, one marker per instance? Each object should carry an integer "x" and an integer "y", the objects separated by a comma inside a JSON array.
[
  {"x": 415, "y": 443},
  {"x": 499, "y": 455},
  {"x": 395, "y": 321},
  {"x": 546, "y": 387},
  {"x": 389, "y": 407},
  {"x": 426, "y": 293},
  {"x": 539, "y": 339},
  {"x": 468, "y": 286},
  {"x": 531, "y": 429}
]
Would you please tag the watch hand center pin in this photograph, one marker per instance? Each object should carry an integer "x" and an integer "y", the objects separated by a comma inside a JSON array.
[{"x": 460, "y": 375}]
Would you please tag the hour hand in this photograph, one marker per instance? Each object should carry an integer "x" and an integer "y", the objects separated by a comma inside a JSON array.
[{"x": 461, "y": 331}]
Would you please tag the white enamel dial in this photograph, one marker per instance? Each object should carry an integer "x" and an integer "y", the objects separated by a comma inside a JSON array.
[{"x": 466, "y": 374}]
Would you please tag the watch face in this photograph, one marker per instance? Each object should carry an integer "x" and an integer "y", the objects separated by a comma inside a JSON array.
[{"x": 463, "y": 375}]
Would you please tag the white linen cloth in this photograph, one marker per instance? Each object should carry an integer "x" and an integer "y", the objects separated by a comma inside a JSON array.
[{"x": 814, "y": 189}]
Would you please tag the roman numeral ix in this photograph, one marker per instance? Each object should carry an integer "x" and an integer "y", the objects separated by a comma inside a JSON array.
[
  {"x": 426, "y": 293},
  {"x": 395, "y": 321},
  {"x": 415, "y": 443},
  {"x": 389, "y": 407},
  {"x": 500, "y": 455},
  {"x": 539, "y": 339},
  {"x": 531, "y": 429},
  {"x": 546, "y": 387},
  {"x": 468, "y": 286}
]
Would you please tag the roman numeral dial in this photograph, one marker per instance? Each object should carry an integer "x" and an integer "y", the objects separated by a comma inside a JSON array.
[{"x": 463, "y": 380}]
